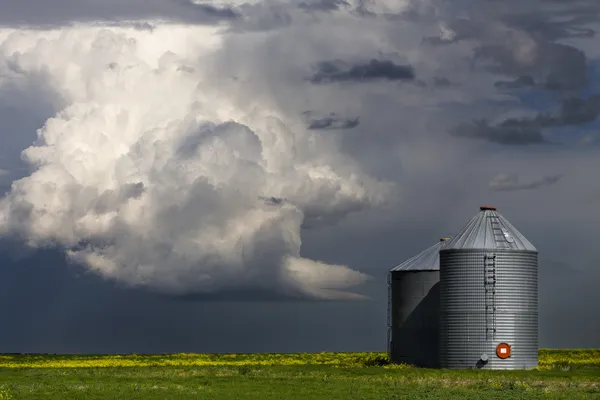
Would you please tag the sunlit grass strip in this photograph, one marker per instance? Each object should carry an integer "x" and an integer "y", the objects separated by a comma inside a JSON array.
[
  {"x": 189, "y": 360},
  {"x": 549, "y": 359},
  {"x": 569, "y": 356}
]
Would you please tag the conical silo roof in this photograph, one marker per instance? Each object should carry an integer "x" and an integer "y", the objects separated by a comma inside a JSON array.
[
  {"x": 427, "y": 260},
  {"x": 489, "y": 230}
]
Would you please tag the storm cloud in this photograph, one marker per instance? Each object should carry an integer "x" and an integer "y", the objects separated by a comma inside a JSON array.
[
  {"x": 560, "y": 67},
  {"x": 168, "y": 219},
  {"x": 160, "y": 147},
  {"x": 322, "y": 5},
  {"x": 331, "y": 121},
  {"x": 509, "y": 182},
  {"x": 64, "y": 12},
  {"x": 573, "y": 111},
  {"x": 337, "y": 71},
  {"x": 525, "y": 131},
  {"x": 505, "y": 133},
  {"x": 518, "y": 83}
]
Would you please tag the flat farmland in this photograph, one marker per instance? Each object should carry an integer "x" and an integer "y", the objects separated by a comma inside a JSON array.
[{"x": 561, "y": 374}]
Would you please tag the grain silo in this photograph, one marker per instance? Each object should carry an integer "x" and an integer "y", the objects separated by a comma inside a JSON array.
[
  {"x": 413, "y": 304},
  {"x": 489, "y": 296}
]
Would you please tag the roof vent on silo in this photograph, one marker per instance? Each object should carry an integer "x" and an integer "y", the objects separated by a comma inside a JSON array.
[{"x": 487, "y": 208}]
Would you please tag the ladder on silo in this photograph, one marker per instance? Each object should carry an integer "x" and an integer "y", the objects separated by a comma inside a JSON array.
[
  {"x": 499, "y": 236},
  {"x": 489, "y": 283}
]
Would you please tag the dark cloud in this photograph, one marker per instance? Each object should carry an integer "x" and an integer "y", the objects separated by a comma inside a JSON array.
[
  {"x": 522, "y": 40},
  {"x": 262, "y": 17},
  {"x": 322, "y": 5},
  {"x": 273, "y": 201},
  {"x": 500, "y": 134},
  {"x": 518, "y": 83},
  {"x": 331, "y": 121},
  {"x": 337, "y": 71},
  {"x": 523, "y": 131},
  {"x": 226, "y": 13},
  {"x": 546, "y": 20},
  {"x": 511, "y": 182},
  {"x": 442, "y": 82},
  {"x": 64, "y": 12},
  {"x": 573, "y": 111},
  {"x": 566, "y": 21},
  {"x": 560, "y": 67}
]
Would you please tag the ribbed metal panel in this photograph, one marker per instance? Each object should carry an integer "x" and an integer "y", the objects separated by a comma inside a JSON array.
[
  {"x": 415, "y": 317},
  {"x": 427, "y": 260},
  {"x": 469, "y": 314},
  {"x": 489, "y": 230}
]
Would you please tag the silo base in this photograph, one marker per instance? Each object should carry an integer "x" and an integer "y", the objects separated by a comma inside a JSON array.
[{"x": 416, "y": 348}]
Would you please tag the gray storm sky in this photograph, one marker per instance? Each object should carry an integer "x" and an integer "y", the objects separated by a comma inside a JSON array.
[{"x": 451, "y": 104}]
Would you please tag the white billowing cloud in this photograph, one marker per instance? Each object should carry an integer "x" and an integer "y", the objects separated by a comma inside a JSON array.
[
  {"x": 180, "y": 159},
  {"x": 151, "y": 176},
  {"x": 307, "y": 273}
]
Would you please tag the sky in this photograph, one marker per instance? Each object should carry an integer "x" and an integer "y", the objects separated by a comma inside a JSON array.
[{"x": 239, "y": 176}]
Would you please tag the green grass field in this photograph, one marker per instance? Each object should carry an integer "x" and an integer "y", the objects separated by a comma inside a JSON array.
[{"x": 562, "y": 374}]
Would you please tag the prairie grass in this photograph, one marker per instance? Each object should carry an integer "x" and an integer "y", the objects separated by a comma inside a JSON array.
[{"x": 562, "y": 374}]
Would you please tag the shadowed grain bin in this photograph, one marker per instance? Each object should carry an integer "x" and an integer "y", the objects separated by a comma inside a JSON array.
[
  {"x": 413, "y": 309},
  {"x": 488, "y": 297}
]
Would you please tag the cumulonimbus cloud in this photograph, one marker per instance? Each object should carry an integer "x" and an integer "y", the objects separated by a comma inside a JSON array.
[
  {"x": 178, "y": 158},
  {"x": 150, "y": 177}
]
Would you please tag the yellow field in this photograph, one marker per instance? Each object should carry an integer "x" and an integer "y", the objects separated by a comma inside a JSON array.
[
  {"x": 561, "y": 374},
  {"x": 548, "y": 359}
]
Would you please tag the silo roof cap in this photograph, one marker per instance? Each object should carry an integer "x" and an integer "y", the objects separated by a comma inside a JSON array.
[
  {"x": 489, "y": 230},
  {"x": 427, "y": 260}
]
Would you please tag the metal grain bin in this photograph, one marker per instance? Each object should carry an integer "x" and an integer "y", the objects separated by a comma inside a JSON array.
[
  {"x": 413, "y": 305},
  {"x": 489, "y": 297}
]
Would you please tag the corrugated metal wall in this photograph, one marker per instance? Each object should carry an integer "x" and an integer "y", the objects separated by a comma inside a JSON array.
[
  {"x": 415, "y": 317},
  {"x": 471, "y": 309}
]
